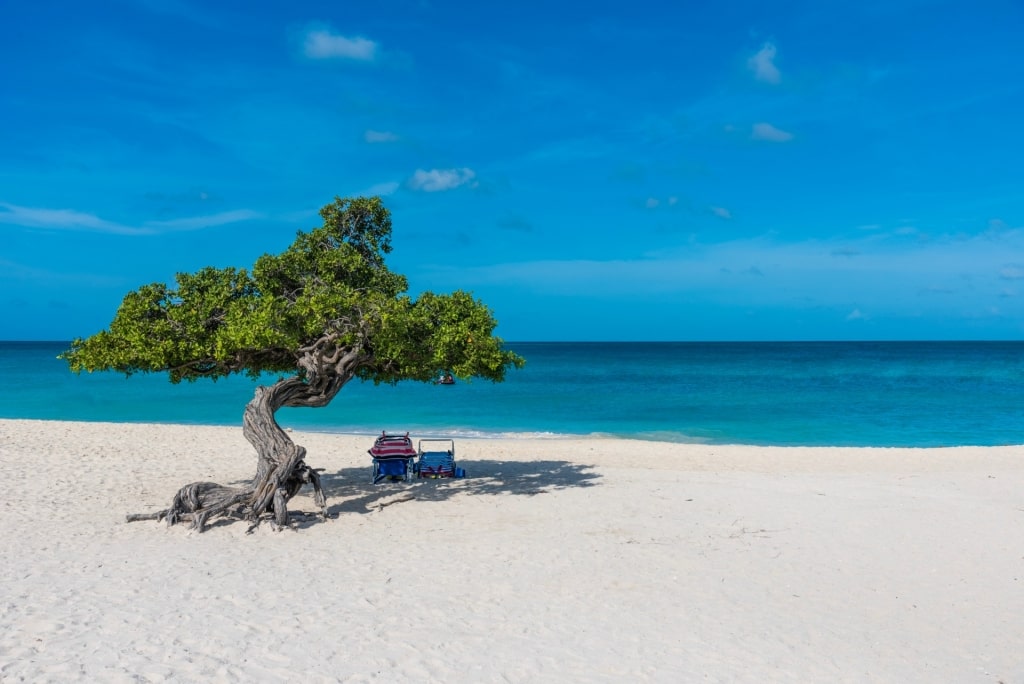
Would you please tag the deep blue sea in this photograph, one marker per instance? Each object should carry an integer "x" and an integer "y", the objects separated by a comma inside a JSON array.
[{"x": 918, "y": 394}]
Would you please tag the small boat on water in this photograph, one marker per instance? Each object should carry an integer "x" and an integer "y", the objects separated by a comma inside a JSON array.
[{"x": 445, "y": 379}]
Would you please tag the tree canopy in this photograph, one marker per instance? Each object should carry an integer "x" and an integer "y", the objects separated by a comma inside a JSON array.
[{"x": 330, "y": 288}]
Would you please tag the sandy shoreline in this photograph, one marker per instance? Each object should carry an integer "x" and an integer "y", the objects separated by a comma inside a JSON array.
[{"x": 585, "y": 560}]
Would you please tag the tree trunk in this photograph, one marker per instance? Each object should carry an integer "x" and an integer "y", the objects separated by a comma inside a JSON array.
[{"x": 281, "y": 470}]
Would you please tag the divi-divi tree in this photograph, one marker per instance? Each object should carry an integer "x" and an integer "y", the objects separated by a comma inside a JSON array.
[{"x": 325, "y": 311}]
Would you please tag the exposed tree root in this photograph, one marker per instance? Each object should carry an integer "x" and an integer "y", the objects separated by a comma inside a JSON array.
[{"x": 200, "y": 502}]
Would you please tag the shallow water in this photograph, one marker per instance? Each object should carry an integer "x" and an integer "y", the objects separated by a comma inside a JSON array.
[{"x": 780, "y": 393}]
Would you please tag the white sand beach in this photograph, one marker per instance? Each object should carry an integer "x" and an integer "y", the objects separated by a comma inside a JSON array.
[{"x": 554, "y": 560}]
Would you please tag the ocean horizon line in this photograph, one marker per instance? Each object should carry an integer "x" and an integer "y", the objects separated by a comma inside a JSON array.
[{"x": 965, "y": 340}]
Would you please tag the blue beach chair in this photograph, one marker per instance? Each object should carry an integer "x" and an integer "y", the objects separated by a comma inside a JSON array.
[
  {"x": 438, "y": 460},
  {"x": 393, "y": 458}
]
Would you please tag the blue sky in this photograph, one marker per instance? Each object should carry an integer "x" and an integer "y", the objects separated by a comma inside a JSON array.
[{"x": 592, "y": 171}]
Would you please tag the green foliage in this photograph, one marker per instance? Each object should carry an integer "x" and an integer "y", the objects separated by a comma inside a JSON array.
[{"x": 330, "y": 288}]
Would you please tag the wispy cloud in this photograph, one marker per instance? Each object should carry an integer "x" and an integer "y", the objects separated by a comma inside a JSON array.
[
  {"x": 437, "y": 180},
  {"x": 763, "y": 64},
  {"x": 199, "y": 222},
  {"x": 69, "y": 219},
  {"x": 63, "y": 219},
  {"x": 765, "y": 131},
  {"x": 889, "y": 276},
  {"x": 654, "y": 202},
  {"x": 381, "y": 189},
  {"x": 515, "y": 223},
  {"x": 20, "y": 272},
  {"x": 379, "y": 136},
  {"x": 721, "y": 212},
  {"x": 202, "y": 15},
  {"x": 322, "y": 44}
]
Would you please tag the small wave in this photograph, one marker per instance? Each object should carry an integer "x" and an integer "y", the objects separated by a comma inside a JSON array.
[{"x": 470, "y": 433}]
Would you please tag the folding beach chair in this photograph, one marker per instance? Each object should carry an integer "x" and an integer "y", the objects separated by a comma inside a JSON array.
[
  {"x": 393, "y": 458},
  {"x": 437, "y": 460}
]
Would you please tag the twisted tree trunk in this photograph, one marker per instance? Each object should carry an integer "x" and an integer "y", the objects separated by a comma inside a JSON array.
[{"x": 281, "y": 470}]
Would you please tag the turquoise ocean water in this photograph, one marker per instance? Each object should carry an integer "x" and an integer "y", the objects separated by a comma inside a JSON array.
[{"x": 787, "y": 393}]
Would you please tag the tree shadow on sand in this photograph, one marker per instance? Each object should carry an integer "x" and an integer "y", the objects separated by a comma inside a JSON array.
[{"x": 350, "y": 491}]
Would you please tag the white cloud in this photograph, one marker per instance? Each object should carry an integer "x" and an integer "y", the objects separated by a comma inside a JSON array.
[
  {"x": 379, "y": 136},
  {"x": 765, "y": 131},
  {"x": 855, "y": 315},
  {"x": 651, "y": 203},
  {"x": 721, "y": 212},
  {"x": 763, "y": 64},
  {"x": 437, "y": 180},
  {"x": 1011, "y": 273},
  {"x": 322, "y": 44}
]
